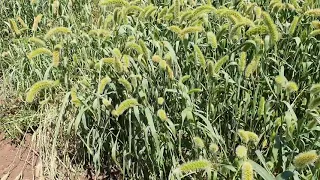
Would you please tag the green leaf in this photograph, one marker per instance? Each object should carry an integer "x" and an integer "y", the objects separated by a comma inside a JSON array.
[
  {"x": 152, "y": 128},
  {"x": 231, "y": 168},
  {"x": 171, "y": 50},
  {"x": 261, "y": 171},
  {"x": 285, "y": 175},
  {"x": 262, "y": 160},
  {"x": 293, "y": 114}
]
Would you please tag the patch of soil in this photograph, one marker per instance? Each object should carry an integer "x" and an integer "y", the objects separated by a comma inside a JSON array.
[{"x": 17, "y": 160}]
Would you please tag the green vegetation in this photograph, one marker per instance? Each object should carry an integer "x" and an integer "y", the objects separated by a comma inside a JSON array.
[{"x": 164, "y": 89}]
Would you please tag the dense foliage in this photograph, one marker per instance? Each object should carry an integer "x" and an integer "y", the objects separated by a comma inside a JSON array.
[{"x": 166, "y": 89}]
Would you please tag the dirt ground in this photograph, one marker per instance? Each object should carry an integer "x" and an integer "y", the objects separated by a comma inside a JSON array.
[{"x": 17, "y": 160}]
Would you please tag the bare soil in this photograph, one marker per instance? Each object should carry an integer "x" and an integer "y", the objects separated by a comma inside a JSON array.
[{"x": 17, "y": 159}]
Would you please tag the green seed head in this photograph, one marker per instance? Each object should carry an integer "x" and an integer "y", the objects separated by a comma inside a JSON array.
[
  {"x": 241, "y": 152},
  {"x": 212, "y": 40},
  {"x": 37, "y": 41},
  {"x": 273, "y": 31},
  {"x": 313, "y": 12},
  {"x": 281, "y": 80},
  {"x": 126, "y": 84},
  {"x": 193, "y": 166},
  {"x": 39, "y": 51},
  {"x": 200, "y": 56},
  {"x": 261, "y": 106},
  {"x": 315, "y": 89},
  {"x": 38, "y": 86},
  {"x": 57, "y": 30},
  {"x": 247, "y": 171},
  {"x": 252, "y": 136},
  {"x": 103, "y": 84},
  {"x": 304, "y": 159},
  {"x": 292, "y": 86},
  {"x": 156, "y": 58},
  {"x": 170, "y": 72},
  {"x": 198, "y": 142},
  {"x": 36, "y": 22},
  {"x": 162, "y": 114},
  {"x": 317, "y": 163},
  {"x": 211, "y": 68},
  {"x": 125, "y": 105},
  {"x": 107, "y": 103},
  {"x": 316, "y": 24},
  {"x": 243, "y": 135},
  {"x": 163, "y": 65},
  {"x": 242, "y": 61},
  {"x": 214, "y": 148},
  {"x": 160, "y": 100},
  {"x": 55, "y": 58},
  {"x": 74, "y": 98}
]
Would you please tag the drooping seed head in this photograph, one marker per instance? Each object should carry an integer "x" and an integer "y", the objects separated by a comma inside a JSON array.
[
  {"x": 243, "y": 135},
  {"x": 193, "y": 166},
  {"x": 274, "y": 34},
  {"x": 201, "y": 10},
  {"x": 57, "y": 30},
  {"x": 292, "y": 86},
  {"x": 253, "y": 65},
  {"x": 316, "y": 24},
  {"x": 39, "y": 51},
  {"x": 257, "y": 30},
  {"x": 315, "y": 89},
  {"x": 134, "y": 46},
  {"x": 304, "y": 159},
  {"x": 190, "y": 29},
  {"x": 37, "y": 41},
  {"x": 125, "y": 105},
  {"x": 281, "y": 80},
  {"x": 126, "y": 84},
  {"x": 210, "y": 68},
  {"x": 314, "y": 33},
  {"x": 156, "y": 58},
  {"x": 38, "y": 86},
  {"x": 184, "y": 78},
  {"x": 57, "y": 47},
  {"x": 106, "y": 80},
  {"x": 252, "y": 136},
  {"x": 313, "y": 12},
  {"x": 113, "y": 3},
  {"x": 102, "y": 33}
]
